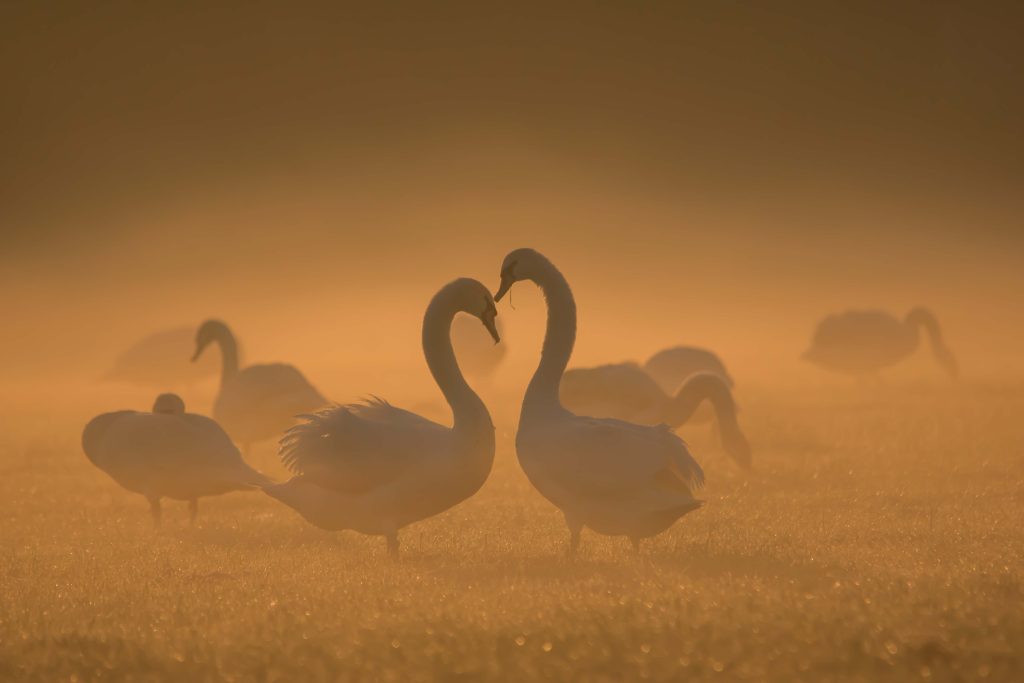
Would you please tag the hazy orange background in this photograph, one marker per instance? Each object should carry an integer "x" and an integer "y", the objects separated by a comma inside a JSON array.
[{"x": 713, "y": 173}]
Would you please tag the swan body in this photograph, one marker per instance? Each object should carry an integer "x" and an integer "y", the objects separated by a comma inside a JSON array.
[
  {"x": 161, "y": 360},
  {"x": 670, "y": 367},
  {"x": 259, "y": 401},
  {"x": 864, "y": 342},
  {"x": 375, "y": 468},
  {"x": 167, "y": 453},
  {"x": 615, "y": 477},
  {"x": 625, "y": 392},
  {"x": 478, "y": 355}
]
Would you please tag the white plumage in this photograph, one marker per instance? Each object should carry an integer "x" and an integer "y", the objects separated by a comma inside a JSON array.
[
  {"x": 375, "y": 468},
  {"x": 167, "y": 453},
  {"x": 615, "y": 477}
]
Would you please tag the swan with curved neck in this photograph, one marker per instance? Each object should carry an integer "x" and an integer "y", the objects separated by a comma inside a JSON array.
[
  {"x": 167, "y": 453},
  {"x": 626, "y": 392},
  {"x": 672, "y": 366},
  {"x": 259, "y": 401},
  {"x": 614, "y": 477},
  {"x": 375, "y": 468},
  {"x": 864, "y": 342}
]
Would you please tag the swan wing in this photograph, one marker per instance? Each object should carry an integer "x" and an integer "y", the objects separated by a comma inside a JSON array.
[
  {"x": 361, "y": 446},
  {"x": 608, "y": 457}
]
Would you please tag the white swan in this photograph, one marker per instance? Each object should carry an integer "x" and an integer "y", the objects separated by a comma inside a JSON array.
[
  {"x": 161, "y": 360},
  {"x": 624, "y": 391},
  {"x": 375, "y": 468},
  {"x": 258, "y": 401},
  {"x": 615, "y": 477},
  {"x": 864, "y": 342},
  {"x": 670, "y": 367},
  {"x": 167, "y": 453}
]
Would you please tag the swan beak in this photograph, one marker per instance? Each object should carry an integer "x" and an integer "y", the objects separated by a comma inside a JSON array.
[
  {"x": 195, "y": 356},
  {"x": 492, "y": 328},
  {"x": 506, "y": 284}
]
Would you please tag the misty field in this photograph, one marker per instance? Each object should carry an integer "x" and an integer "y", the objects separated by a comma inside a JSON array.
[{"x": 879, "y": 537}]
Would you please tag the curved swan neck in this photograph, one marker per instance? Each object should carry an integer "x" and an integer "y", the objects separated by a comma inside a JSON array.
[
  {"x": 696, "y": 389},
  {"x": 559, "y": 338},
  {"x": 467, "y": 408},
  {"x": 229, "y": 354},
  {"x": 922, "y": 317}
]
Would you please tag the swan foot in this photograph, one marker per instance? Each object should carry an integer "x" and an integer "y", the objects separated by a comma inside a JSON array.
[
  {"x": 155, "y": 511},
  {"x": 193, "y": 511},
  {"x": 393, "y": 546}
]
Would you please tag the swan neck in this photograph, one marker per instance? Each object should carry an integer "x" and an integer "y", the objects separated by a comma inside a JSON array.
[
  {"x": 559, "y": 338},
  {"x": 467, "y": 409},
  {"x": 695, "y": 390},
  {"x": 229, "y": 355}
]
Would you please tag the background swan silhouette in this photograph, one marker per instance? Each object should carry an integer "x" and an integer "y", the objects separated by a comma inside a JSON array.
[
  {"x": 375, "y": 468},
  {"x": 864, "y": 342},
  {"x": 671, "y": 367},
  {"x": 259, "y": 401},
  {"x": 167, "y": 453},
  {"x": 615, "y": 477},
  {"x": 624, "y": 391},
  {"x": 161, "y": 360}
]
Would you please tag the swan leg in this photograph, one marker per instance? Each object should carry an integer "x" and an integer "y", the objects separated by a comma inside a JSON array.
[
  {"x": 193, "y": 511},
  {"x": 393, "y": 545},
  {"x": 154, "y": 510}
]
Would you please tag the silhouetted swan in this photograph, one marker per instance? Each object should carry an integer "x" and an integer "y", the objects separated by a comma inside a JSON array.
[
  {"x": 670, "y": 367},
  {"x": 615, "y": 477},
  {"x": 161, "y": 360},
  {"x": 626, "y": 392},
  {"x": 375, "y": 468},
  {"x": 478, "y": 356},
  {"x": 167, "y": 453},
  {"x": 864, "y": 342},
  {"x": 258, "y": 401}
]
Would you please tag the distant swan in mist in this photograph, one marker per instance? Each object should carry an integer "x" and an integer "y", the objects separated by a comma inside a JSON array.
[
  {"x": 615, "y": 477},
  {"x": 864, "y": 342},
  {"x": 161, "y": 360},
  {"x": 259, "y": 401},
  {"x": 375, "y": 468},
  {"x": 626, "y": 392},
  {"x": 478, "y": 356},
  {"x": 670, "y": 367},
  {"x": 167, "y": 453}
]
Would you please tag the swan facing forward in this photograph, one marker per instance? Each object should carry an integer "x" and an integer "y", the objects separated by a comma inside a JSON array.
[
  {"x": 864, "y": 342},
  {"x": 625, "y": 392},
  {"x": 167, "y": 453},
  {"x": 615, "y": 477},
  {"x": 375, "y": 468},
  {"x": 258, "y": 401}
]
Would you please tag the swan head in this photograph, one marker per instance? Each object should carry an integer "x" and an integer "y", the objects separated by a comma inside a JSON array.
[
  {"x": 208, "y": 332},
  {"x": 169, "y": 404},
  {"x": 520, "y": 264},
  {"x": 471, "y": 296}
]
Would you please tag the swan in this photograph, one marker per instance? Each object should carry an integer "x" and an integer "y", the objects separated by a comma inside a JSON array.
[
  {"x": 624, "y": 391},
  {"x": 167, "y": 453},
  {"x": 864, "y": 342},
  {"x": 669, "y": 367},
  {"x": 160, "y": 360},
  {"x": 258, "y": 401},
  {"x": 375, "y": 468},
  {"x": 614, "y": 477}
]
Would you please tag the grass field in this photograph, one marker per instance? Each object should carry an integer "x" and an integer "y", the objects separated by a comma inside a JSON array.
[{"x": 879, "y": 538}]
